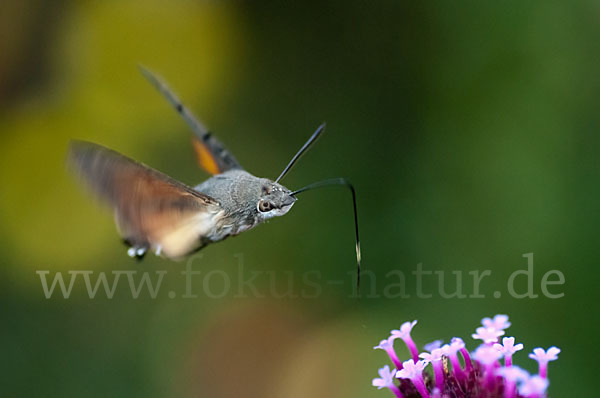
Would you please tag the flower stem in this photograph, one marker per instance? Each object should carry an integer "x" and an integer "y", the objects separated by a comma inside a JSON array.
[
  {"x": 544, "y": 370},
  {"x": 510, "y": 389},
  {"x": 392, "y": 354},
  {"x": 467, "y": 358},
  {"x": 420, "y": 385},
  {"x": 458, "y": 372},
  {"x": 412, "y": 347},
  {"x": 438, "y": 371},
  {"x": 490, "y": 378},
  {"x": 396, "y": 391}
]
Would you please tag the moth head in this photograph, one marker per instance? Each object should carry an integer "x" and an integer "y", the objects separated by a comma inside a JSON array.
[{"x": 275, "y": 200}]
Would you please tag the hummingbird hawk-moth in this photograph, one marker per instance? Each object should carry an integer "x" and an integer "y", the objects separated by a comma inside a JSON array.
[{"x": 158, "y": 213}]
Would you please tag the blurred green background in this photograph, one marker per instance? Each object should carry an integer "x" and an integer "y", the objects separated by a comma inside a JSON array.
[{"x": 470, "y": 130}]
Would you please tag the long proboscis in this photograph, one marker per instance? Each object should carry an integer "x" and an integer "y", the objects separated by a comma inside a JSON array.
[
  {"x": 308, "y": 143},
  {"x": 347, "y": 184}
]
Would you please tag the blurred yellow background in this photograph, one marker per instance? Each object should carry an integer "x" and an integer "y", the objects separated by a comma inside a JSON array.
[{"x": 470, "y": 131}]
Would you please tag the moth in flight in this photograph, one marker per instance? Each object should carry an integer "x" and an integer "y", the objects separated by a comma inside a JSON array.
[{"x": 155, "y": 212}]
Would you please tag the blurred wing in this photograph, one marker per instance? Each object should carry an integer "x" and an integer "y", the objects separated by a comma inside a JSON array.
[
  {"x": 152, "y": 210},
  {"x": 211, "y": 154}
]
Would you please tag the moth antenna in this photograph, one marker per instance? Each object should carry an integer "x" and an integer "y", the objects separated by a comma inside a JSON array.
[
  {"x": 308, "y": 143},
  {"x": 197, "y": 127},
  {"x": 347, "y": 184}
]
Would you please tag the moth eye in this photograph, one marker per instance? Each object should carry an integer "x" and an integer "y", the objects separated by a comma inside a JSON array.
[
  {"x": 266, "y": 190},
  {"x": 264, "y": 206}
]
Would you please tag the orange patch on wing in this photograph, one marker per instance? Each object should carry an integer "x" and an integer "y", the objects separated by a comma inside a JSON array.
[{"x": 204, "y": 157}]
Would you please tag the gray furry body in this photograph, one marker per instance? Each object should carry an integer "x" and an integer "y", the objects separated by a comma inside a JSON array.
[{"x": 240, "y": 195}]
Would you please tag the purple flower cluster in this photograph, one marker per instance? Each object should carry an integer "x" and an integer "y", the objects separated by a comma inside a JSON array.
[{"x": 481, "y": 374}]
